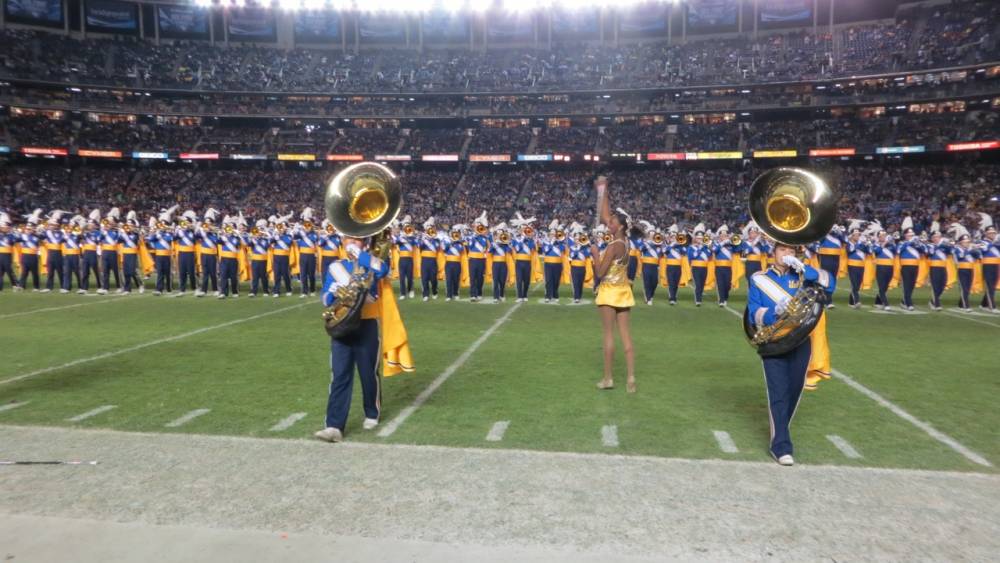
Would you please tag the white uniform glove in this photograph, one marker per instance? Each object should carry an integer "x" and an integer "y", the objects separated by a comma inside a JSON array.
[
  {"x": 793, "y": 263},
  {"x": 354, "y": 251},
  {"x": 779, "y": 308}
]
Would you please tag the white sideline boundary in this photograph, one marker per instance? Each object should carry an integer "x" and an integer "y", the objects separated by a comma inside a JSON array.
[
  {"x": 844, "y": 446},
  {"x": 898, "y": 411},
  {"x": 725, "y": 441},
  {"x": 187, "y": 418},
  {"x": 497, "y": 431},
  {"x": 144, "y": 345},
  {"x": 90, "y": 413},
  {"x": 288, "y": 422},
  {"x": 394, "y": 424}
]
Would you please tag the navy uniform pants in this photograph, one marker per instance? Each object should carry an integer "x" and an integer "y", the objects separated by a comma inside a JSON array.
[
  {"x": 724, "y": 282},
  {"x": 71, "y": 268},
  {"x": 429, "y": 276},
  {"x": 553, "y": 277},
  {"x": 522, "y": 277},
  {"x": 90, "y": 265},
  {"x": 307, "y": 272},
  {"x": 324, "y": 267},
  {"x": 130, "y": 262},
  {"x": 7, "y": 269},
  {"x": 185, "y": 269},
  {"x": 209, "y": 272},
  {"x": 785, "y": 377},
  {"x": 632, "y": 268},
  {"x": 699, "y": 274},
  {"x": 499, "y": 278},
  {"x": 477, "y": 276},
  {"x": 673, "y": 281},
  {"x": 577, "y": 274},
  {"x": 964, "y": 281},
  {"x": 990, "y": 272},
  {"x": 830, "y": 263},
  {"x": 883, "y": 275},
  {"x": 857, "y": 276},
  {"x": 939, "y": 278},
  {"x": 909, "y": 276},
  {"x": 258, "y": 276},
  {"x": 29, "y": 264},
  {"x": 452, "y": 278},
  {"x": 751, "y": 268},
  {"x": 650, "y": 279},
  {"x": 54, "y": 267},
  {"x": 229, "y": 275},
  {"x": 358, "y": 351},
  {"x": 281, "y": 274},
  {"x": 164, "y": 280},
  {"x": 405, "y": 275},
  {"x": 109, "y": 265}
]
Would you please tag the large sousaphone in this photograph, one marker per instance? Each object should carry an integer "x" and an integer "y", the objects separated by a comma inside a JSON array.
[
  {"x": 361, "y": 201},
  {"x": 794, "y": 207}
]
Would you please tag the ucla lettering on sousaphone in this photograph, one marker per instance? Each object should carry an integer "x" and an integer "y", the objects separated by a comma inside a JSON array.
[{"x": 361, "y": 201}]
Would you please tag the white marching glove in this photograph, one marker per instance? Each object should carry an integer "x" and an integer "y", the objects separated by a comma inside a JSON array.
[
  {"x": 354, "y": 251},
  {"x": 794, "y": 263},
  {"x": 780, "y": 308}
]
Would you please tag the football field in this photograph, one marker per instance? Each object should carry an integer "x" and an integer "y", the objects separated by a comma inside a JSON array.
[{"x": 911, "y": 390}]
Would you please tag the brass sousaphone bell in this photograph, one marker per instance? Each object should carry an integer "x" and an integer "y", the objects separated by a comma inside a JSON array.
[
  {"x": 794, "y": 207},
  {"x": 361, "y": 201}
]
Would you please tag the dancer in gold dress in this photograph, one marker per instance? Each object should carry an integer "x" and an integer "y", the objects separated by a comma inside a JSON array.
[{"x": 614, "y": 293}]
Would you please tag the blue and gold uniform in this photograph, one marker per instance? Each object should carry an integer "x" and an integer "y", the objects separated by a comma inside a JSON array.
[
  {"x": 453, "y": 249},
  {"x": 578, "y": 256},
  {"x": 650, "y": 255},
  {"x": 406, "y": 246},
  {"x": 7, "y": 241},
  {"x": 208, "y": 249},
  {"x": 966, "y": 259},
  {"x": 857, "y": 253},
  {"x": 430, "y": 247},
  {"x": 477, "y": 246},
  {"x": 939, "y": 252},
  {"x": 885, "y": 261},
  {"x": 634, "y": 255},
  {"x": 130, "y": 241},
  {"x": 230, "y": 247},
  {"x": 110, "y": 238},
  {"x": 308, "y": 241},
  {"x": 185, "y": 241},
  {"x": 523, "y": 247},
  {"x": 755, "y": 250},
  {"x": 991, "y": 269},
  {"x": 724, "y": 253},
  {"x": 160, "y": 244},
  {"x": 499, "y": 251},
  {"x": 911, "y": 252},
  {"x": 674, "y": 254},
  {"x": 829, "y": 251},
  {"x": 259, "y": 246},
  {"x": 53, "y": 251},
  {"x": 698, "y": 256},
  {"x": 281, "y": 250},
  {"x": 91, "y": 242},
  {"x": 552, "y": 251},
  {"x": 360, "y": 350},
  {"x": 71, "y": 260},
  {"x": 784, "y": 375},
  {"x": 329, "y": 249},
  {"x": 29, "y": 243}
]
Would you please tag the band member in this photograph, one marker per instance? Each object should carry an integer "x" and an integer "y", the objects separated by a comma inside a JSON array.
[
  {"x": 614, "y": 294},
  {"x": 160, "y": 241},
  {"x": 7, "y": 241},
  {"x": 523, "y": 246},
  {"x": 966, "y": 258},
  {"x": 308, "y": 241},
  {"x": 579, "y": 254},
  {"x": 453, "y": 248},
  {"x": 258, "y": 242},
  {"x": 360, "y": 350},
  {"x": 650, "y": 253},
  {"x": 674, "y": 254},
  {"x": 755, "y": 249},
  {"x": 857, "y": 252},
  {"x": 698, "y": 256},
  {"x": 91, "y": 242},
  {"x": 724, "y": 253},
  {"x": 208, "y": 248},
  {"x": 829, "y": 250},
  {"x": 911, "y": 251},
  {"x": 281, "y": 250},
  {"x": 28, "y": 243},
  {"x": 553, "y": 248},
  {"x": 884, "y": 251},
  {"x": 53, "y": 251},
  {"x": 130, "y": 241},
  {"x": 939, "y": 250},
  {"x": 991, "y": 268},
  {"x": 110, "y": 237},
  {"x": 430, "y": 246},
  {"x": 329, "y": 246},
  {"x": 184, "y": 238},
  {"x": 406, "y": 245},
  {"x": 72, "y": 237},
  {"x": 478, "y": 244},
  {"x": 229, "y": 260},
  {"x": 499, "y": 250},
  {"x": 634, "y": 254},
  {"x": 784, "y": 375}
]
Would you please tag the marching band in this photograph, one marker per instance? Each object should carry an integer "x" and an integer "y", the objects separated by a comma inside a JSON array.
[{"x": 275, "y": 251}]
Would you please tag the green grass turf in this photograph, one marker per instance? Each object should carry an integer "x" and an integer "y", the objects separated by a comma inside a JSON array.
[{"x": 695, "y": 372}]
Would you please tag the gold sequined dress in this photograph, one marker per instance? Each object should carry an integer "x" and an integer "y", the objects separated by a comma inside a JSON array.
[{"x": 615, "y": 289}]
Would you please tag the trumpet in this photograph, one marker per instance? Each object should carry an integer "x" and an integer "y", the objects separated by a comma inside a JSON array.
[
  {"x": 682, "y": 239},
  {"x": 657, "y": 238},
  {"x": 76, "y": 230},
  {"x": 504, "y": 237},
  {"x": 228, "y": 229},
  {"x": 736, "y": 240},
  {"x": 582, "y": 239},
  {"x": 431, "y": 232},
  {"x": 706, "y": 239},
  {"x": 560, "y": 235},
  {"x": 481, "y": 229},
  {"x": 456, "y": 235},
  {"x": 254, "y": 232},
  {"x": 528, "y": 231},
  {"x": 207, "y": 227},
  {"x": 607, "y": 238},
  {"x": 408, "y": 230},
  {"x": 330, "y": 230},
  {"x": 308, "y": 225}
]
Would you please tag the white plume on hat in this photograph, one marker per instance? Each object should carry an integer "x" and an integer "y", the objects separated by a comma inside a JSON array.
[
  {"x": 152, "y": 222},
  {"x": 428, "y": 223},
  {"x": 873, "y": 228},
  {"x": 189, "y": 216},
  {"x": 406, "y": 220},
  {"x": 751, "y": 226},
  {"x": 272, "y": 219},
  {"x": 34, "y": 217},
  {"x": 322, "y": 224},
  {"x": 285, "y": 218},
  {"x": 520, "y": 221},
  {"x": 459, "y": 227},
  {"x": 241, "y": 220},
  {"x": 167, "y": 214},
  {"x": 114, "y": 214},
  {"x": 957, "y": 230},
  {"x": 262, "y": 223},
  {"x": 4, "y": 219},
  {"x": 77, "y": 219},
  {"x": 132, "y": 217},
  {"x": 210, "y": 214},
  {"x": 307, "y": 214},
  {"x": 723, "y": 229},
  {"x": 482, "y": 220},
  {"x": 673, "y": 229},
  {"x": 95, "y": 215},
  {"x": 906, "y": 224},
  {"x": 500, "y": 227},
  {"x": 985, "y": 221},
  {"x": 699, "y": 228},
  {"x": 554, "y": 225},
  {"x": 55, "y": 215},
  {"x": 855, "y": 224}
]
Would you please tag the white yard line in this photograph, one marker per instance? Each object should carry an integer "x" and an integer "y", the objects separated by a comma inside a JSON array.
[
  {"x": 497, "y": 431},
  {"x": 288, "y": 421},
  {"x": 187, "y": 418},
  {"x": 965, "y": 316},
  {"x": 49, "y": 309},
  {"x": 10, "y": 406},
  {"x": 91, "y": 413},
  {"x": 898, "y": 411},
  {"x": 144, "y": 345},
  {"x": 725, "y": 441},
  {"x": 609, "y": 436},
  {"x": 845, "y": 448},
  {"x": 394, "y": 424}
]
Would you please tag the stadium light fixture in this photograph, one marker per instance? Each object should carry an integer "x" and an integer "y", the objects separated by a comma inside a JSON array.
[
  {"x": 315, "y": 5},
  {"x": 290, "y": 5},
  {"x": 203, "y": 3}
]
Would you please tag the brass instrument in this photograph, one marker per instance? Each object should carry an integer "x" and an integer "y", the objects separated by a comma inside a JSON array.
[
  {"x": 76, "y": 230},
  {"x": 736, "y": 240},
  {"x": 657, "y": 238},
  {"x": 330, "y": 230},
  {"x": 185, "y": 224},
  {"x": 582, "y": 239},
  {"x": 254, "y": 232},
  {"x": 706, "y": 239},
  {"x": 528, "y": 231},
  {"x": 431, "y": 232},
  {"x": 504, "y": 237},
  {"x": 307, "y": 225},
  {"x": 481, "y": 229},
  {"x": 228, "y": 229},
  {"x": 361, "y": 201},
  {"x": 207, "y": 227},
  {"x": 455, "y": 235},
  {"x": 408, "y": 230},
  {"x": 682, "y": 239},
  {"x": 105, "y": 223},
  {"x": 794, "y": 207},
  {"x": 127, "y": 228},
  {"x": 607, "y": 238},
  {"x": 560, "y": 235}
]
